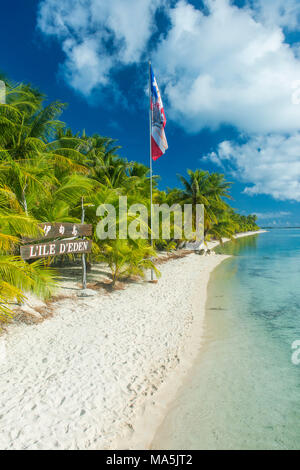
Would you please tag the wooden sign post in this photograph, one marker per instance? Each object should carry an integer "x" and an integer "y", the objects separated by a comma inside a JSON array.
[
  {"x": 83, "y": 256},
  {"x": 55, "y": 248},
  {"x": 71, "y": 244},
  {"x": 61, "y": 230}
]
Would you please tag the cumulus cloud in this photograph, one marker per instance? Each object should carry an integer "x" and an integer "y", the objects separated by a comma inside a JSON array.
[
  {"x": 221, "y": 64},
  {"x": 270, "y": 163},
  {"x": 224, "y": 66},
  {"x": 98, "y": 35},
  {"x": 285, "y": 13}
]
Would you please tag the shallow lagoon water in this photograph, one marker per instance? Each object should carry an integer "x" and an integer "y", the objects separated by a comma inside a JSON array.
[{"x": 243, "y": 391}]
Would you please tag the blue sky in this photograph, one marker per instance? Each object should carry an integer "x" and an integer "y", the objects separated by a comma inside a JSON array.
[{"x": 229, "y": 75}]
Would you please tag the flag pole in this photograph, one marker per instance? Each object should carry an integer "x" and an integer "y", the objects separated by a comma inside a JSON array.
[{"x": 151, "y": 190}]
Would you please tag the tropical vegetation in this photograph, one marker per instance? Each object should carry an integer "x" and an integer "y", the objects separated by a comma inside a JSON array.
[{"x": 46, "y": 170}]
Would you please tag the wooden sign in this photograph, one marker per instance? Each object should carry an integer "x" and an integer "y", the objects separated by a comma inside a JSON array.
[
  {"x": 62, "y": 230},
  {"x": 62, "y": 247}
]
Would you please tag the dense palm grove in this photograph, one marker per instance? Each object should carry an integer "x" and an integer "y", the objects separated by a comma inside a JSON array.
[{"x": 45, "y": 170}]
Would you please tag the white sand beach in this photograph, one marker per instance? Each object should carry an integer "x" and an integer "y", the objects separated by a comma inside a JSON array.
[{"x": 101, "y": 371}]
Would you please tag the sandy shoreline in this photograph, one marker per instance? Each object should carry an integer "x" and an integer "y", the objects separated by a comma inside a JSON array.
[{"x": 101, "y": 372}]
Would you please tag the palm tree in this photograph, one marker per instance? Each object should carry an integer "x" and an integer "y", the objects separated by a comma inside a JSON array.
[
  {"x": 105, "y": 166},
  {"x": 126, "y": 258},
  {"x": 16, "y": 276},
  {"x": 25, "y": 178},
  {"x": 207, "y": 189}
]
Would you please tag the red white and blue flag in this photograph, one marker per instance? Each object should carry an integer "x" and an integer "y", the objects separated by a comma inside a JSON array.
[{"x": 158, "y": 138}]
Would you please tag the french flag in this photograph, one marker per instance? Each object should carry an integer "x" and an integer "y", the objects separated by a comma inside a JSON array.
[{"x": 158, "y": 138}]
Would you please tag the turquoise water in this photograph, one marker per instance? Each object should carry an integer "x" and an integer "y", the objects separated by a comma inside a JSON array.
[{"x": 244, "y": 391}]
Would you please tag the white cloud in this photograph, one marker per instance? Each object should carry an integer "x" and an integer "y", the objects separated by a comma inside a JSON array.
[
  {"x": 98, "y": 35},
  {"x": 229, "y": 65},
  {"x": 285, "y": 13},
  {"x": 86, "y": 68},
  {"x": 270, "y": 163},
  {"x": 225, "y": 67}
]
